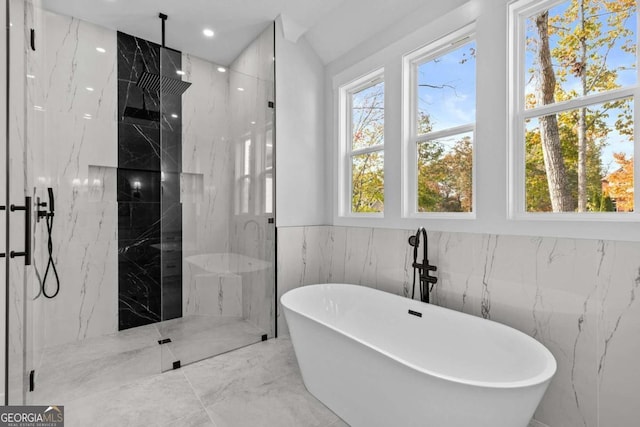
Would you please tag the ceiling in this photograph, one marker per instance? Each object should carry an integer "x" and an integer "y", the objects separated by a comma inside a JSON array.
[{"x": 332, "y": 27}]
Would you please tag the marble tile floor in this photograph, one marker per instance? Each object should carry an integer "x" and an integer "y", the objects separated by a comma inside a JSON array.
[
  {"x": 70, "y": 371},
  {"x": 257, "y": 385}
]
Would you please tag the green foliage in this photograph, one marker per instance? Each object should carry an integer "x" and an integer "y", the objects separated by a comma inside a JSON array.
[
  {"x": 368, "y": 183},
  {"x": 445, "y": 176},
  {"x": 583, "y": 38},
  {"x": 537, "y": 189},
  {"x": 367, "y": 170}
]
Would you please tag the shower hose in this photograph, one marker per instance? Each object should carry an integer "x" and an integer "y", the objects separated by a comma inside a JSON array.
[{"x": 50, "y": 264}]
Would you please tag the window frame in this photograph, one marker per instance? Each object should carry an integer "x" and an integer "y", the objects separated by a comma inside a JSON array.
[
  {"x": 410, "y": 63},
  {"x": 518, "y": 12},
  {"x": 346, "y": 149}
]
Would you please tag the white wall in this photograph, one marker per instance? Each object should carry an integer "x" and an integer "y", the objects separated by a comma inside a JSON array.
[
  {"x": 300, "y": 152},
  {"x": 491, "y": 143}
]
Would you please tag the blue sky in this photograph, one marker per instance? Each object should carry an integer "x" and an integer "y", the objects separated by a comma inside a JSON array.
[{"x": 453, "y": 100}]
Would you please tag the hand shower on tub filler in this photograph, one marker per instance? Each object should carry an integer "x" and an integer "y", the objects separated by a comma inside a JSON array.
[{"x": 426, "y": 280}]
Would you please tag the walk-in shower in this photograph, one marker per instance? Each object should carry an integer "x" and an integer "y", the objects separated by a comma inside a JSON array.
[{"x": 161, "y": 165}]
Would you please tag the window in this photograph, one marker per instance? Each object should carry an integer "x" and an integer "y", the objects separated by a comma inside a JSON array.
[
  {"x": 574, "y": 93},
  {"x": 363, "y": 145},
  {"x": 440, "y": 86},
  {"x": 268, "y": 172},
  {"x": 244, "y": 161}
]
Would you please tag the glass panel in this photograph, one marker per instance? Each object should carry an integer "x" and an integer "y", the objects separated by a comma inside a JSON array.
[
  {"x": 225, "y": 280},
  {"x": 573, "y": 51},
  {"x": 172, "y": 88},
  {"x": 367, "y": 182},
  {"x": 367, "y": 117},
  {"x": 447, "y": 90},
  {"x": 25, "y": 125},
  {"x": 3, "y": 200},
  {"x": 601, "y": 180},
  {"x": 445, "y": 174},
  {"x": 146, "y": 241}
]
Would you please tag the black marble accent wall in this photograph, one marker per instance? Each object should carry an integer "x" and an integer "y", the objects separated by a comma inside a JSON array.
[{"x": 149, "y": 165}]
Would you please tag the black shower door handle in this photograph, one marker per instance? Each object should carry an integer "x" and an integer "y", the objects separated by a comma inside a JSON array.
[{"x": 27, "y": 231}]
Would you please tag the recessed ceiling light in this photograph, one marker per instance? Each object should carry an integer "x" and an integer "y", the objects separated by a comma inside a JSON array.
[
  {"x": 208, "y": 32},
  {"x": 90, "y": 89},
  {"x": 253, "y": 123},
  {"x": 31, "y": 76},
  {"x": 101, "y": 49},
  {"x": 240, "y": 89},
  {"x": 222, "y": 69},
  {"x": 174, "y": 115},
  {"x": 180, "y": 73}
]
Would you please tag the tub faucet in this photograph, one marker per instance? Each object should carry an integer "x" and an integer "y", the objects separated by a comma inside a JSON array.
[{"x": 422, "y": 269}]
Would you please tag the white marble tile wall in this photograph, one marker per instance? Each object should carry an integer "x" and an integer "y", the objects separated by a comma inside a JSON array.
[
  {"x": 80, "y": 137},
  {"x": 578, "y": 297},
  {"x": 206, "y": 158}
]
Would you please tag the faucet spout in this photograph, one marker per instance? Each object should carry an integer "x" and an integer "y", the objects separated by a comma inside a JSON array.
[{"x": 422, "y": 269}]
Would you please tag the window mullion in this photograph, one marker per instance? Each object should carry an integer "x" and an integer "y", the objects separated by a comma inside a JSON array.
[
  {"x": 366, "y": 150},
  {"x": 444, "y": 133},
  {"x": 585, "y": 101}
]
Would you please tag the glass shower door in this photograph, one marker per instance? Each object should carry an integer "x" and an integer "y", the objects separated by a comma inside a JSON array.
[
  {"x": 218, "y": 231},
  {"x": 23, "y": 157},
  {"x": 163, "y": 232}
]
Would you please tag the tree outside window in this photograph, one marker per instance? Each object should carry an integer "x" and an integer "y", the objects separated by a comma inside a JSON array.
[
  {"x": 444, "y": 90},
  {"x": 366, "y": 147},
  {"x": 580, "y": 84}
]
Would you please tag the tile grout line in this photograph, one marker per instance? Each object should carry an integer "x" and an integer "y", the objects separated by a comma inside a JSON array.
[{"x": 198, "y": 397}]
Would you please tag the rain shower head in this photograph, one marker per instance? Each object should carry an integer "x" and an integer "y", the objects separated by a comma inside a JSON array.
[
  {"x": 166, "y": 85},
  {"x": 154, "y": 82}
]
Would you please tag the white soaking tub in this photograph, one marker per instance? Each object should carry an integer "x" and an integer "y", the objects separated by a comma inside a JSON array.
[{"x": 373, "y": 363}]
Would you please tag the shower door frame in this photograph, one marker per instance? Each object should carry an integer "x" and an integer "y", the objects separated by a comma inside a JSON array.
[
  {"x": 5, "y": 202},
  {"x": 17, "y": 270}
]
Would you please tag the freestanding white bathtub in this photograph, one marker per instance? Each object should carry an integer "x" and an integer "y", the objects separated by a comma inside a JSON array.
[{"x": 373, "y": 363}]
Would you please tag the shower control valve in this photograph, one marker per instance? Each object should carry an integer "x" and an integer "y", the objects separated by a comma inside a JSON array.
[{"x": 40, "y": 213}]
